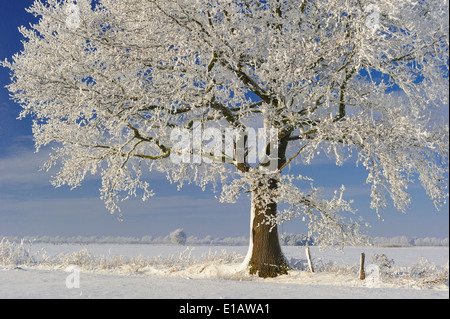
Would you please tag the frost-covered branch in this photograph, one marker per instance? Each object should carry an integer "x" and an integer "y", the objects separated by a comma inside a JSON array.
[{"x": 109, "y": 82}]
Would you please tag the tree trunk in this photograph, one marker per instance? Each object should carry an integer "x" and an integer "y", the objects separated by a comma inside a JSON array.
[{"x": 265, "y": 257}]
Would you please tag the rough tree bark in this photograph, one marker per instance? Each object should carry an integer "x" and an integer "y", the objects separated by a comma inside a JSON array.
[{"x": 266, "y": 258}]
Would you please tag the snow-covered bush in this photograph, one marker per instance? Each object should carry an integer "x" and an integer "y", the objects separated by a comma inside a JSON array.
[
  {"x": 178, "y": 237},
  {"x": 12, "y": 253},
  {"x": 385, "y": 265}
]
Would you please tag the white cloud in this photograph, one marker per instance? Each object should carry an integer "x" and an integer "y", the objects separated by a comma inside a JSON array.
[{"x": 23, "y": 168}]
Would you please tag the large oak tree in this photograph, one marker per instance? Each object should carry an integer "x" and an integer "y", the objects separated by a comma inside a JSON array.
[{"x": 111, "y": 81}]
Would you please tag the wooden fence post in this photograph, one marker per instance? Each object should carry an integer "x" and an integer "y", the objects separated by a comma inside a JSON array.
[
  {"x": 308, "y": 256},
  {"x": 362, "y": 275}
]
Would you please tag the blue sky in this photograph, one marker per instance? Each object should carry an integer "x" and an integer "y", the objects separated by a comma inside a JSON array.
[{"x": 29, "y": 205}]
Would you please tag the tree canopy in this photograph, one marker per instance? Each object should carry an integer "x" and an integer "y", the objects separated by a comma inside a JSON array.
[{"x": 110, "y": 82}]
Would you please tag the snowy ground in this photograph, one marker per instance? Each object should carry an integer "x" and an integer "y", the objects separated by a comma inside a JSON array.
[{"x": 205, "y": 272}]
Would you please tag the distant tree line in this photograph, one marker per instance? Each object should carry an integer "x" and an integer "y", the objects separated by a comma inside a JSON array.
[
  {"x": 178, "y": 237},
  {"x": 403, "y": 241},
  {"x": 296, "y": 240}
]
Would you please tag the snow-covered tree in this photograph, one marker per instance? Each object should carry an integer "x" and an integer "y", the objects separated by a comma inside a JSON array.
[
  {"x": 131, "y": 86},
  {"x": 178, "y": 237}
]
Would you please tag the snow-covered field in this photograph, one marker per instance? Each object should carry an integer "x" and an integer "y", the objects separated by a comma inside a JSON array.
[{"x": 210, "y": 272}]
